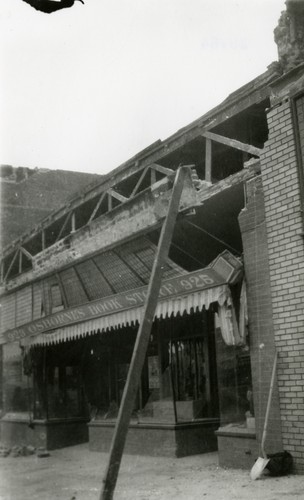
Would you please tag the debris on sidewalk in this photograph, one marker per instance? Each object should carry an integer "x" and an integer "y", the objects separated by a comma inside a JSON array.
[
  {"x": 17, "y": 450},
  {"x": 4, "y": 450},
  {"x": 42, "y": 453}
]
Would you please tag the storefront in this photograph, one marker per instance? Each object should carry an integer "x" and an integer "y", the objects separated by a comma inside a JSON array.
[{"x": 75, "y": 363}]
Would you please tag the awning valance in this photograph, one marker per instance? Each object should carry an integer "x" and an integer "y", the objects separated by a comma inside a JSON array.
[
  {"x": 165, "y": 308},
  {"x": 188, "y": 292}
]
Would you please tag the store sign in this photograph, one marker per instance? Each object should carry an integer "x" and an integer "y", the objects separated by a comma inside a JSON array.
[{"x": 181, "y": 285}]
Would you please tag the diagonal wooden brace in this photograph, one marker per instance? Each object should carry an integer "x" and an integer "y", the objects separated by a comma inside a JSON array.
[{"x": 142, "y": 341}]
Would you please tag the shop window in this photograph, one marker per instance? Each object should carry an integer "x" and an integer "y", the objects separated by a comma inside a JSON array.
[
  {"x": 190, "y": 378},
  {"x": 87, "y": 377},
  {"x": 234, "y": 381},
  {"x": 181, "y": 381},
  {"x": 58, "y": 382},
  {"x": 97, "y": 376},
  {"x": 17, "y": 384},
  {"x": 63, "y": 392}
]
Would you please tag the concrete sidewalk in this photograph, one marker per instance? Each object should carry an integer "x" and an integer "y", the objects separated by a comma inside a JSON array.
[{"x": 76, "y": 473}]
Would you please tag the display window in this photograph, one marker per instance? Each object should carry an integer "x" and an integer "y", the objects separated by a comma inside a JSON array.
[{"x": 86, "y": 377}]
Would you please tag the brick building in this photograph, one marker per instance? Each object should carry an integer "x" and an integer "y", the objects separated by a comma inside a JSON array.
[
  {"x": 282, "y": 164},
  {"x": 241, "y": 216},
  {"x": 272, "y": 232},
  {"x": 28, "y": 195}
]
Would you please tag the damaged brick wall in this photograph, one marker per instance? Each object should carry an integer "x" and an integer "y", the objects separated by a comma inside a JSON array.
[
  {"x": 286, "y": 264},
  {"x": 289, "y": 35},
  {"x": 262, "y": 348},
  {"x": 24, "y": 203}
]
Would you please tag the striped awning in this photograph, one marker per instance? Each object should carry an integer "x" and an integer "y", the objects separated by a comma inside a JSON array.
[{"x": 191, "y": 302}]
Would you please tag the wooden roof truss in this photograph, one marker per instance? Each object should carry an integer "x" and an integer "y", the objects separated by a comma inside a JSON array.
[{"x": 98, "y": 201}]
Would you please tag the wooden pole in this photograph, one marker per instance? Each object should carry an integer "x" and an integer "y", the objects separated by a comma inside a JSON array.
[
  {"x": 20, "y": 262},
  {"x": 208, "y": 161},
  {"x": 241, "y": 146},
  {"x": 142, "y": 340},
  {"x": 43, "y": 239}
]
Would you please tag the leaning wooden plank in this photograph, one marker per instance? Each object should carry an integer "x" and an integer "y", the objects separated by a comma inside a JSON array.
[
  {"x": 233, "y": 143},
  {"x": 142, "y": 340}
]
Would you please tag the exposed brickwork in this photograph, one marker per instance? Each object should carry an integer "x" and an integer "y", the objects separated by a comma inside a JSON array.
[
  {"x": 262, "y": 348},
  {"x": 286, "y": 265},
  {"x": 300, "y": 120}
]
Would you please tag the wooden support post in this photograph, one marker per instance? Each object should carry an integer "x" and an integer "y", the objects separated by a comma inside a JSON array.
[
  {"x": 26, "y": 253},
  {"x": 142, "y": 340},
  {"x": 43, "y": 239},
  {"x": 11, "y": 264},
  {"x": 73, "y": 228},
  {"x": 102, "y": 197},
  {"x": 138, "y": 183},
  {"x": 2, "y": 271},
  {"x": 110, "y": 203},
  {"x": 153, "y": 176},
  {"x": 208, "y": 161},
  {"x": 20, "y": 262},
  {"x": 64, "y": 225},
  {"x": 116, "y": 195}
]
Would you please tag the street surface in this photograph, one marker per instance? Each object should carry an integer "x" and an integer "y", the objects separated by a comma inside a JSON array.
[{"x": 75, "y": 473}]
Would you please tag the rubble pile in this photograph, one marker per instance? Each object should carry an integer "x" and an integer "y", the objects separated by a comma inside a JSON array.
[{"x": 19, "y": 451}]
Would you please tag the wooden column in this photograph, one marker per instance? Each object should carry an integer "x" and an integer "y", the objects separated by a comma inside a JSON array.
[
  {"x": 208, "y": 161},
  {"x": 142, "y": 340},
  {"x": 43, "y": 239},
  {"x": 73, "y": 223},
  {"x": 20, "y": 262},
  {"x": 2, "y": 271}
]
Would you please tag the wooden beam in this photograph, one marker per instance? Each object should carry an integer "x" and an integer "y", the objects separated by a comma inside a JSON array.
[
  {"x": 208, "y": 161},
  {"x": 233, "y": 143},
  {"x": 20, "y": 262},
  {"x": 161, "y": 169},
  {"x": 26, "y": 253},
  {"x": 142, "y": 341},
  {"x": 102, "y": 197},
  {"x": 160, "y": 149},
  {"x": 43, "y": 239},
  {"x": 2, "y": 270},
  {"x": 110, "y": 203},
  {"x": 152, "y": 176},
  {"x": 116, "y": 195},
  {"x": 11, "y": 264},
  {"x": 73, "y": 228},
  {"x": 67, "y": 219},
  {"x": 143, "y": 174}
]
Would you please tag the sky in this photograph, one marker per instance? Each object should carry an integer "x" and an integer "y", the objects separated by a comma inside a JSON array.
[{"x": 88, "y": 87}]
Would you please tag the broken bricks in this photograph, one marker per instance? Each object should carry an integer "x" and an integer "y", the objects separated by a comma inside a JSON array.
[{"x": 17, "y": 451}]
